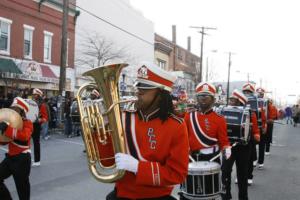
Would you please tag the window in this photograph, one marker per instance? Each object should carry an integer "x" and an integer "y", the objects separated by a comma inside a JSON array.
[
  {"x": 5, "y": 35},
  {"x": 179, "y": 54},
  {"x": 28, "y": 33},
  {"x": 161, "y": 63},
  {"x": 47, "y": 46}
]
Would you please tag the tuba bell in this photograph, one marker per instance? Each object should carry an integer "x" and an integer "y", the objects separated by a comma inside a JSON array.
[{"x": 102, "y": 130}]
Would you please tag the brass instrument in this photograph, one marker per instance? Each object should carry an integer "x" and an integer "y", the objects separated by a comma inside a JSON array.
[
  {"x": 98, "y": 125},
  {"x": 11, "y": 118}
]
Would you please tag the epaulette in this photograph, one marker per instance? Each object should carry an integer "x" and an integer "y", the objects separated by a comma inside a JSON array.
[
  {"x": 219, "y": 114},
  {"x": 180, "y": 120}
]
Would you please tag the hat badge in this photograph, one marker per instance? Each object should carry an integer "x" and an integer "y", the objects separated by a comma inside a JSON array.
[
  {"x": 205, "y": 88},
  {"x": 143, "y": 72}
]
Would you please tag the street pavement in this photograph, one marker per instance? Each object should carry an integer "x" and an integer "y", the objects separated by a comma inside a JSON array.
[{"x": 63, "y": 174}]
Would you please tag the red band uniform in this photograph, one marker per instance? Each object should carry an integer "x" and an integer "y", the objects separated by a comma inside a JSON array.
[
  {"x": 207, "y": 130},
  {"x": 272, "y": 115},
  {"x": 157, "y": 156},
  {"x": 240, "y": 154},
  {"x": 18, "y": 160}
]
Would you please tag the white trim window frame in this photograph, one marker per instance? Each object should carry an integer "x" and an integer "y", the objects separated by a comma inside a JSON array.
[
  {"x": 28, "y": 40},
  {"x": 47, "y": 46},
  {"x": 5, "y": 26}
]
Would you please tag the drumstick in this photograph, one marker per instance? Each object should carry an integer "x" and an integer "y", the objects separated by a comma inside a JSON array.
[
  {"x": 219, "y": 154},
  {"x": 191, "y": 158}
]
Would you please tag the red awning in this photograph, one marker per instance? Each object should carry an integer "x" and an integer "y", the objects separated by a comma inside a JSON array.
[{"x": 47, "y": 72}]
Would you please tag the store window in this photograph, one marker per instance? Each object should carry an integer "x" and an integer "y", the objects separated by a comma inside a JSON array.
[
  {"x": 47, "y": 46},
  {"x": 28, "y": 37},
  {"x": 5, "y": 25}
]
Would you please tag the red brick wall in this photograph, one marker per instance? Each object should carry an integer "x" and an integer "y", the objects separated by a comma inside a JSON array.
[{"x": 48, "y": 19}]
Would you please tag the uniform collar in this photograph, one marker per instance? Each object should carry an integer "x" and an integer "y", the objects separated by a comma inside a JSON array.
[
  {"x": 207, "y": 112},
  {"x": 148, "y": 117}
]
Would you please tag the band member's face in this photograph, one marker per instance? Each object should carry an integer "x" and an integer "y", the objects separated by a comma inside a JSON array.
[
  {"x": 36, "y": 97},
  {"x": 205, "y": 101},
  {"x": 234, "y": 102},
  {"x": 145, "y": 98},
  {"x": 261, "y": 95},
  {"x": 17, "y": 109},
  {"x": 247, "y": 92}
]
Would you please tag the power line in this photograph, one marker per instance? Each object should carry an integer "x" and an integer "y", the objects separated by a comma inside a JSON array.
[{"x": 115, "y": 26}]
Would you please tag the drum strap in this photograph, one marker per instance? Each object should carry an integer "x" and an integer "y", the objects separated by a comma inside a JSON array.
[{"x": 203, "y": 138}]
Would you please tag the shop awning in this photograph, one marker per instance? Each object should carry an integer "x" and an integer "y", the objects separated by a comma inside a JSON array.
[
  {"x": 47, "y": 72},
  {"x": 8, "y": 65}
]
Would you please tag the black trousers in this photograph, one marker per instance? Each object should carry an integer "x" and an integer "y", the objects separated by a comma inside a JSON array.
[
  {"x": 240, "y": 154},
  {"x": 19, "y": 167},
  {"x": 113, "y": 196},
  {"x": 36, "y": 141},
  {"x": 269, "y": 138},
  {"x": 204, "y": 157},
  {"x": 262, "y": 148},
  {"x": 253, "y": 157}
]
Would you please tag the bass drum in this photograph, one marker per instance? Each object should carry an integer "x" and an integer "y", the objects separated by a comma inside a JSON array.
[{"x": 33, "y": 113}]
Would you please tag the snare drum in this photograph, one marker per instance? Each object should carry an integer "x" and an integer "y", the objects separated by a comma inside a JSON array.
[
  {"x": 203, "y": 181},
  {"x": 238, "y": 123}
]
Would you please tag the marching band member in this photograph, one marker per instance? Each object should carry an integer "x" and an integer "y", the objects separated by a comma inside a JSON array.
[
  {"x": 249, "y": 89},
  {"x": 157, "y": 141},
  {"x": 240, "y": 154},
  {"x": 42, "y": 118},
  {"x": 207, "y": 130},
  {"x": 181, "y": 104},
  {"x": 272, "y": 115},
  {"x": 17, "y": 161}
]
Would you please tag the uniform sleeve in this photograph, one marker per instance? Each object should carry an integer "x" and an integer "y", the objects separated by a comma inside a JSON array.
[
  {"x": 255, "y": 129},
  {"x": 222, "y": 134},
  {"x": 22, "y": 135},
  {"x": 175, "y": 168},
  {"x": 43, "y": 114}
]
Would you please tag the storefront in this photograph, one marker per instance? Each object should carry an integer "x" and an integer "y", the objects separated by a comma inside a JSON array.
[{"x": 22, "y": 75}]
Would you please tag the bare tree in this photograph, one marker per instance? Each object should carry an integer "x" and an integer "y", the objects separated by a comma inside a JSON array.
[{"x": 96, "y": 50}]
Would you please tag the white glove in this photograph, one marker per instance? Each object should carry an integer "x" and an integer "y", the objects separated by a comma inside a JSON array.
[
  {"x": 127, "y": 162},
  {"x": 227, "y": 152}
]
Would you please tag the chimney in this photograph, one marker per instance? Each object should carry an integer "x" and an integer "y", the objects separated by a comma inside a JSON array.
[
  {"x": 174, "y": 34},
  {"x": 189, "y": 43}
]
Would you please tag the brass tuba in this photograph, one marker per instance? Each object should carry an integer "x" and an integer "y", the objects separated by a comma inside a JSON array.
[
  {"x": 11, "y": 118},
  {"x": 101, "y": 125}
]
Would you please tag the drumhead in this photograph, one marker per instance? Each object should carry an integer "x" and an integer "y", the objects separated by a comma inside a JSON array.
[
  {"x": 33, "y": 112},
  {"x": 203, "y": 167}
]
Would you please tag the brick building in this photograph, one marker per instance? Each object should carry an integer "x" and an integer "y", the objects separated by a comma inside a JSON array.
[
  {"x": 30, "y": 41},
  {"x": 172, "y": 57}
]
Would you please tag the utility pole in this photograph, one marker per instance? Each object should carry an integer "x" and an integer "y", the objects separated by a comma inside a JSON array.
[
  {"x": 63, "y": 59},
  {"x": 228, "y": 81},
  {"x": 63, "y": 52},
  {"x": 199, "y": 76}
]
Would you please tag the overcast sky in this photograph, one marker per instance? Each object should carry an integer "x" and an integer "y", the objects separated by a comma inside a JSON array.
[{"x": 264, "y": 36}]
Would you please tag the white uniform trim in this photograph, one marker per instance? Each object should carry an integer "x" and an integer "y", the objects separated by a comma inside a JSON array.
[
  {"x": 158, "y": 173},
  {"x": 134, "y": 138},
  {"x": 194, "y": 131},
  {"x": 21, "y": 146}
]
